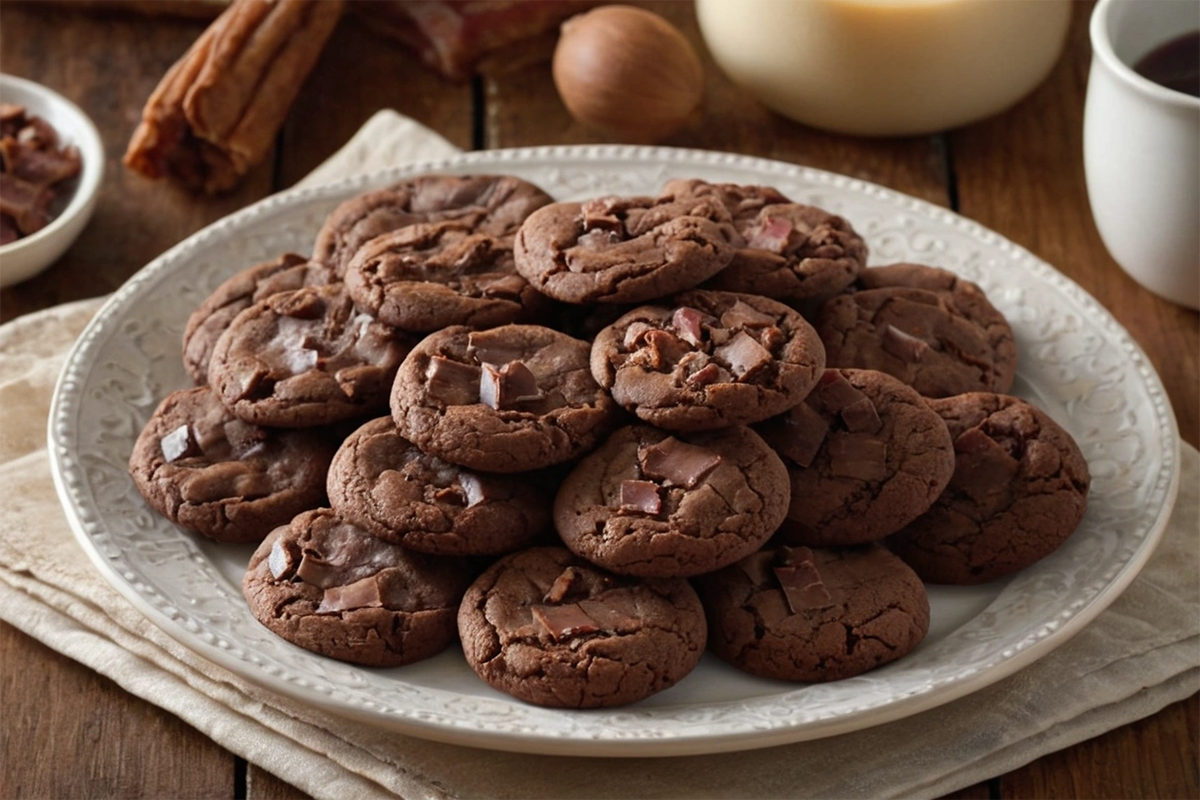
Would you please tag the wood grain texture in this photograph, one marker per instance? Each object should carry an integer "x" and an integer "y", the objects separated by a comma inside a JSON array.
[
  {"x": 108, "y": 64},
  {"x": 68, "y": 732},
  {"x": 262, "y": 785}
]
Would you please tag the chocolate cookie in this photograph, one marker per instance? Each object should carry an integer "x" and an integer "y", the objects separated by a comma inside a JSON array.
[
  {"x": 428, "y": 276},
  {"x": 866, "y": 456},
  {"x": 814, "y": 615},
  {"x": 388, "y": 487},
  {"x": 508, "y": 399},
  {"x": 743, "y": 201},
  {"x": 793, "y": 252},
  {"x": 708, "y": 360},
  {"x": 549, "y": 628},
  {"x": 647, "y": 503},
  {"x": 624, "y": 249},
  {"x": 492, "y": 204},
  {"x": 329, "y": 587},
  {"x": 204, "y": 469},
  {"x": 304, "y": 358},
  {"x": 1019, "y": 490},
  {"x": 921, "y": 337},
  {"x": 206, "y": 324}
]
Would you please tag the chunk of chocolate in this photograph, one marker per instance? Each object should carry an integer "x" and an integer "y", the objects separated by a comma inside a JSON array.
[
  {"x": 833, "y": 392},
  {"x": 678, "y": 463},
  {"x": 743, "y": 315},
  {"x": 665, "y": 349},
  {"x": 245, "y": 439},
  {"x": 640, "y": 496},
  {"x": 315, "y": 570},
  {"x": 771, "y": 234},
  {"x": 507, "y": 386},
  {"x": 477, "y": 489},
  {"x": 688, "y": 323},
  {"x": 488, "y": 348},
  {"x": 563, "y": 585},
  {"x": 903, "y": 346},
  {"x": 707, "y": 375},
  {"x": 981, "y": 461},
  {"x": 283, "y": 559},
  {"x": 451, "y": 382},
  {"x": 801, "y": 435},
  {"x": 506, "y": 286},
  {"x": 363, "y": 593},
  {"x": 600, "y": 214},
  {"x": 180, "y": 443},
  {"x": 856, "y": 455},
  {"x": 635, "y": 334},
  {"x": 744, "y": 355},
  {"x": 861, "y": 416},
  {"x": 565, "y": 621},
  {"x": 801, "y": 583}
]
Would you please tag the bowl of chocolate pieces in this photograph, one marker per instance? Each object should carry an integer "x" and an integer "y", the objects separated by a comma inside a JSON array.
[{"x": 51, "y": 167}]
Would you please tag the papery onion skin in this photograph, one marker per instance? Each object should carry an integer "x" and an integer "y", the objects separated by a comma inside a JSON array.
[{"x": 627, "y": 72}]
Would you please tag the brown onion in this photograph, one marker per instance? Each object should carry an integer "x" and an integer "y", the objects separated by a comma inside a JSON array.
[{"x": 628, "y": 72}]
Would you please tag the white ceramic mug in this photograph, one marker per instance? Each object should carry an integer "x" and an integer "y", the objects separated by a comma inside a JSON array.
[{"x": 1141, "y": 144}]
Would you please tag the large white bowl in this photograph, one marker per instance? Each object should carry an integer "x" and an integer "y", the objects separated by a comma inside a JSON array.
[{"x": 31, "y": 254}]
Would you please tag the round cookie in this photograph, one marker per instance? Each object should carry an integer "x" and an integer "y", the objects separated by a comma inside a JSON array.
[
  {"x": 304, "y": 358},
  {"x": 1019, "y": 490},
  {"x": 918, "y": 336},
  {"x": 624, "y": 249},
  {"x": 649, "y": 504},
  {"x": 708, "y": 360},
  {"x": 204, "y": 469},
  {"x": 508, "y": 399},
  {"x": 814, "y": 615},
  {"x": 549, "y": 628},
  {"x": 206, "y": 324},
  {"x": 388, "y": 487},
  {"x": 793, "y": 252},
  {"x": 492, "y": 204},
  {"x": 329, "y": 587},
  {"x": 967, "y": 297},
  {"x": 428, "y": 276},
  {"x": 866, "y": 456}
]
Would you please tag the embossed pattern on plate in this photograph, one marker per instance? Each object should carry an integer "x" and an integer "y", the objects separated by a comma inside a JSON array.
[{"x": 1076, "y": 362}]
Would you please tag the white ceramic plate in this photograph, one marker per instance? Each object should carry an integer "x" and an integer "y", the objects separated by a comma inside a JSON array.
[{"x": 1076, "y": 362}]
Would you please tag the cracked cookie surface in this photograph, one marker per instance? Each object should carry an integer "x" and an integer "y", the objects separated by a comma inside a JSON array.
[
  {"x": 550, "y": 628},
  {"x": 708, "y": 360},
  {"x": 866, "y": 455},
  {"x": 624, "y": 249},
  {"x": 491, "y": 204},
  {"x": 819, "y": 614},
  {"x": 210, "y": 472},
  {"x": 508, "y": 399},
  {"x": 329, "y": 587},
  {"x": 387, "y": 486},
  {"x": 304, "y": 358},
  {"x": 1019, "y": 490},
  {"x": 650, "y": 504},
  {"x": 920, "y": 336}
]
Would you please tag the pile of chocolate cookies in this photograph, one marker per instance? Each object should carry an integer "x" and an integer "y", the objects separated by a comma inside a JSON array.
[{"x": 590, "y": 440}]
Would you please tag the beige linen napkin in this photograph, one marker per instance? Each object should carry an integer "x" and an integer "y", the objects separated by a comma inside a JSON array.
[{"x": 1140, "y": 655}]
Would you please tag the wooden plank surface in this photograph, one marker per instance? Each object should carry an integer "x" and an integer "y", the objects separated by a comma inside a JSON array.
[{"x": 1019, "y": 173}]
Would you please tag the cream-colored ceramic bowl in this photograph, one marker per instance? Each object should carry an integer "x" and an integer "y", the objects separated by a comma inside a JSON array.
[
  {"x": 31, "y": 254},
  {"x": 885, "y": 67}
]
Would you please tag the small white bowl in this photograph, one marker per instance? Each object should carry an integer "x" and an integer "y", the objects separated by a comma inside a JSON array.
[{"x": 31, "y": 254}]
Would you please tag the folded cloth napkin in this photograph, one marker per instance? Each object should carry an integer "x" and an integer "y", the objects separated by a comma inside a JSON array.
[{"x": 1140, "y": 655}]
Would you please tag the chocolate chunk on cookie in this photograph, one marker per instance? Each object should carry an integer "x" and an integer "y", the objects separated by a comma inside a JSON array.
[
  {"x": 1019, "y": 490},
  {"x": 708, "y": 360},
  {"x": 866, "y": 456},
  {"x": 329, "y": 587},
  {"x": 650, "y": 504},
  {"x": 304, "y": 358},
  {"x": 204, "y": 469},
  {"x": 206, "y": 324},
  {"x": 820, "y": 614},
  {"x": 742, "y": 201},
  {"x": 624, "y": 249},
  {"x": 921, "y": 337},
  {"x": 428, "y": 276},
  {"x": 549, "y": 628},
  {"x": 491, "y": 204},
  {"x": 508, "y": 399},
  {"x": 387, "y": 486}
]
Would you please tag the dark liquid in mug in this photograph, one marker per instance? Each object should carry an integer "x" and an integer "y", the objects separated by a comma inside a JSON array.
[{"x": 1175, "y": 64}]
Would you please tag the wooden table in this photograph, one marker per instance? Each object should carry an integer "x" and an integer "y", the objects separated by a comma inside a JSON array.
[{"x": 68, "y": 732}]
